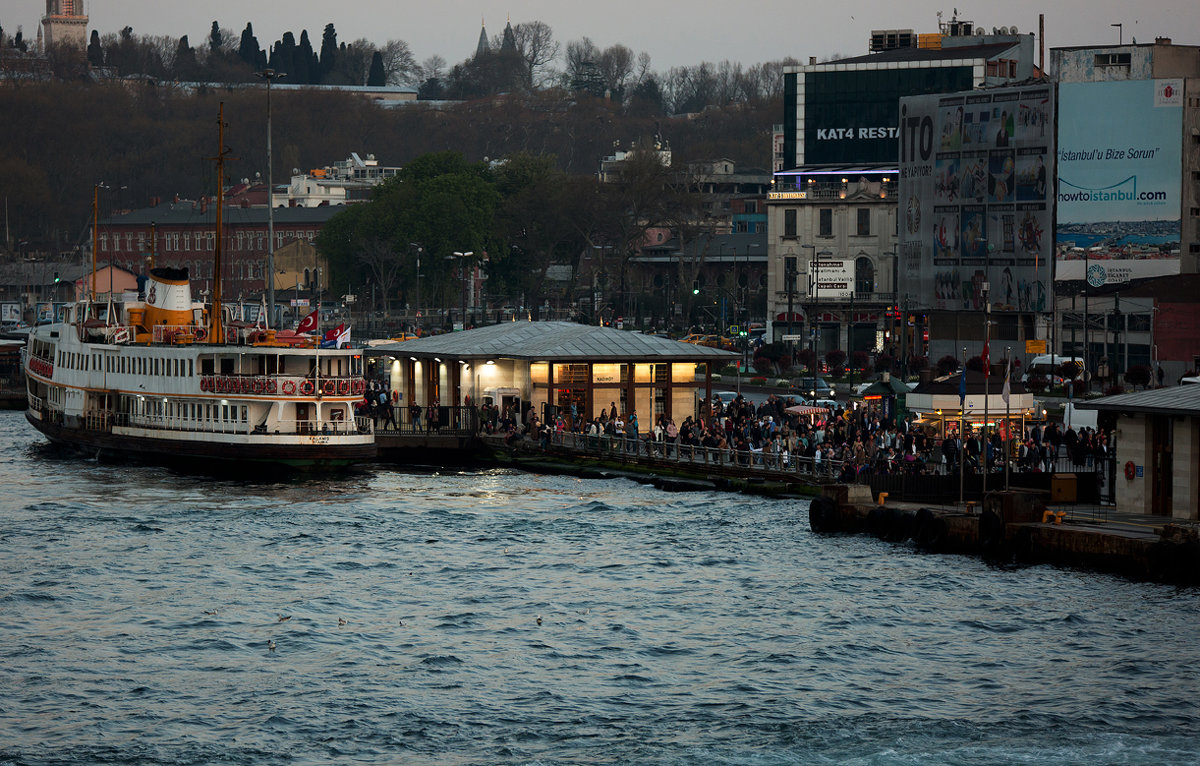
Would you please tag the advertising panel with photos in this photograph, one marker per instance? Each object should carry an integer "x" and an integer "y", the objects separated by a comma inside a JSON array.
[
  {"x": 1119, "y": 180},
  {"x": 975, "y": 199}
]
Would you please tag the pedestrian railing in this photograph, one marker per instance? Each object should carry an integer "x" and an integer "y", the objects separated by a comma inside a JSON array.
[{"x": 673, "y": 451}]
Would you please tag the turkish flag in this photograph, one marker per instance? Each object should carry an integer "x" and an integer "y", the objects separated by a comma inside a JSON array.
[
  {"x": 308, "y": 323},
  {"x": 334, "y": 333}
]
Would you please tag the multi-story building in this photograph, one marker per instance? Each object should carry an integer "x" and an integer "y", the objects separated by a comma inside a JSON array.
[
  {"x": 1128, "y": 215},
  {"x": 341, "y": 183},
  {"x": 182, "y": 233},
  {"x": 832, "y": 212}
]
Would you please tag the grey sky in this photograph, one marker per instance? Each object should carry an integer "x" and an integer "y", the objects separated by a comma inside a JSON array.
[{"x": 673, "y": 33}]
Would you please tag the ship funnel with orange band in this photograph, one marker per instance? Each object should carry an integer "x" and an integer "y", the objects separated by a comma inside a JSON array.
[{"x": 168, "y": 298}]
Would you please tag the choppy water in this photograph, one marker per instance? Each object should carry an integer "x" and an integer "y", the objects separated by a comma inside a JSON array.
[{"x": 698, "y": 628}]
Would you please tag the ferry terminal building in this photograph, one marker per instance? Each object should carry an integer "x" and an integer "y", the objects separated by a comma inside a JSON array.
[{"x": 550, "y": 366}]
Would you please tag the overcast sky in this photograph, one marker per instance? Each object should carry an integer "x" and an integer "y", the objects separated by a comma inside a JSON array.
[{"x": 681, "y": 32}]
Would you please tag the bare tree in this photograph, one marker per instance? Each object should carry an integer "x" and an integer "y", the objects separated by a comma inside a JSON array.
[
  {"x": 616, "y": 67},
  {"x": 641, "y": 70},
  {"x": 536, "y": 44},
  {"x": 399, "y": 65},
  {"x": 384, "y": 265},
  {"x": 581, "y": 55},
  {"x": 432, "y": 68}
]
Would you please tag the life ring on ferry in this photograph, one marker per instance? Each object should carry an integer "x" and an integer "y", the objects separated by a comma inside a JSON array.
[
  {"x": 344, "y": 388},
  {"x": 328, "y": 387},
  {"x": 214, "y": 385},
  {"x": 306, "y": 388},
  {"x": 1130, "y": 470},
  {"x": 360, "y": 387},
  {"x": 258, "y": 385},
  {"x": 204, "y": 384},
  {"x": 270, "y": 386},
  {"x": 200, "y": 333},
  {"x": 289, "y": 387}
]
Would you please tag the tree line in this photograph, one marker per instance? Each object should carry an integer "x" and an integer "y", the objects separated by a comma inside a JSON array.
[
  {"x": 150, "y": 140},
  {"x": 524, "y": 59},
  {"x": 519, "y": 217}
]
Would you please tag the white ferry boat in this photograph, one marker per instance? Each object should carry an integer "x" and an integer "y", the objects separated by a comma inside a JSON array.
[{"x": 159, "y": 377}]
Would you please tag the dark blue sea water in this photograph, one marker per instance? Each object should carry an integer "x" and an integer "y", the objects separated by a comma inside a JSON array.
[{"x": 137, "y": 607}]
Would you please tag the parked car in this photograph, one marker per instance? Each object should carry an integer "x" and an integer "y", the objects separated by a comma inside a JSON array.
[
  {"x": 726, "y": 397},
  {"x": 811, "y": 388}
]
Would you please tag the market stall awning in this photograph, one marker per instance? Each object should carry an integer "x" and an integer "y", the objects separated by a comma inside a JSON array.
[{"x": 804, "y": 409}]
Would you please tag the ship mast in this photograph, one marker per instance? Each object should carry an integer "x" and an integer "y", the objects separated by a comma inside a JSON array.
[
  {"x": 216, "y": 330},
  {"x": 95, "y": 237}
]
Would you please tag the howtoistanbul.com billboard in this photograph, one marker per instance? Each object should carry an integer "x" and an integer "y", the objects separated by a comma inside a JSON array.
[
  {"x": 975, "y": 199},
  {"x": 1119, "y": 180}
]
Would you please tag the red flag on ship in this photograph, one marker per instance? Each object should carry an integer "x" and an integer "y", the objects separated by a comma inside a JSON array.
[
  {"x": 308, "y": 323},
  {"x": 335, "y": 332}
]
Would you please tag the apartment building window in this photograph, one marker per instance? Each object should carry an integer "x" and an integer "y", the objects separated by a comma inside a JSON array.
[
  {"x": 104, "y": 243},
  {"x": 864, "y": 222},
  {"x": 825, "y": 222},
  {"x": 187, "y": 240},
  {"x": 789, "y": 223},
  {"x": 750, "y": 206}
]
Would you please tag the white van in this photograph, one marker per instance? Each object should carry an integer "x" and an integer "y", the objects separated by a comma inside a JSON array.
[{"x": 1047, "y": 366}]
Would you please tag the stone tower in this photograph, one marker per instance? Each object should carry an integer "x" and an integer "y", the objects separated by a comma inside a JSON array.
[{"x": 65, "y": 23}]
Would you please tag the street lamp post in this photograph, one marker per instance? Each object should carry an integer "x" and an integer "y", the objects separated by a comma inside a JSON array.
[
  {"x": 462, "y": 256},
  {"x": 417, "y": 308},
  {"x": 987, "y": 375}
]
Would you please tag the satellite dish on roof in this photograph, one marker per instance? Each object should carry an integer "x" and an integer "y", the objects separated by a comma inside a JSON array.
[
  {"x": 979, "y": 31},
  {"x": 1012, "y": 30}
]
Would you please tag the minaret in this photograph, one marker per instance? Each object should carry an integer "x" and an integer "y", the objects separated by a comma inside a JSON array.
[
  {"x": 65, "y": 23},
  {"x": 483, "y": 47}
]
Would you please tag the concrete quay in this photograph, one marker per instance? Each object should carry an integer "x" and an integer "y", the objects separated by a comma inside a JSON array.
[{"x": 1018, "y": 528}]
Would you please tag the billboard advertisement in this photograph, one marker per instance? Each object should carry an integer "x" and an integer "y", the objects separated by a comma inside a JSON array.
[
  {"x": 975, "y": 201},
  {"x": 1119, "y": 180},
  {"x": 849, "y": 115}
]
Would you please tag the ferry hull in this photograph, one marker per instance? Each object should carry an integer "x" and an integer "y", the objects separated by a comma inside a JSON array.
[{"x": 206, "y": 455}]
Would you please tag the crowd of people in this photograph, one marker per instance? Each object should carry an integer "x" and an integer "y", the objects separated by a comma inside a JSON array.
[{"x": 846, "y": 442}]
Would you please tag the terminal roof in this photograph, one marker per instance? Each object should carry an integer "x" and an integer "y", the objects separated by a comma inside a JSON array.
[{"x": 557, "y": 341}]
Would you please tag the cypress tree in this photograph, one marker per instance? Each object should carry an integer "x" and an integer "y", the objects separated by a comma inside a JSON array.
[{"x": 377, "y": 78}]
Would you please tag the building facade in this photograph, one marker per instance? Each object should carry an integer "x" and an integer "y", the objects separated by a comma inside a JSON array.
[
  {"x": 832, "y": 210},
  {"x": 182, "y": 234}
]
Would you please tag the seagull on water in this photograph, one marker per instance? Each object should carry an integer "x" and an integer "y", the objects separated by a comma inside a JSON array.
[
  {"x": 283, "y": 618},
  {"x": 270, "y": 645},
  {"x": 210, "y": 611},
  {"x": 539, "y": 619},
  {"x": 341, "y": 622}
]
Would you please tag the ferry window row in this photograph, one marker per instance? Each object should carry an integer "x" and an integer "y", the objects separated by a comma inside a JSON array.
[
  {"x": 194, "y": 412},
  {"x": 175, "y": 368}
]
